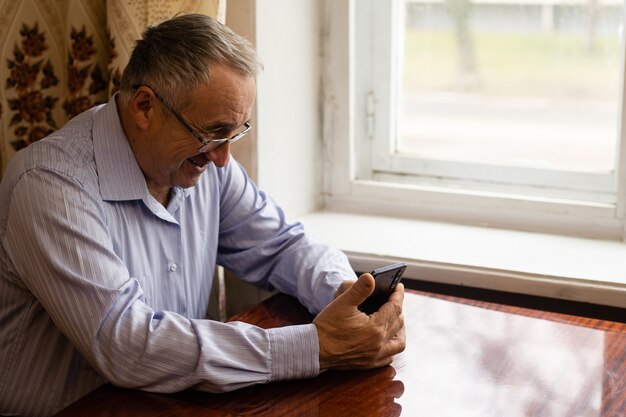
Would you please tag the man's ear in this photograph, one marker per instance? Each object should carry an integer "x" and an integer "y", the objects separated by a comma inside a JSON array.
[{"x": 142, "y": 107}]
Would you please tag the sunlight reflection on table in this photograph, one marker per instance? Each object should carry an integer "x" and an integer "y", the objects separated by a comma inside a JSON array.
[{"x": 469, "y": 361}]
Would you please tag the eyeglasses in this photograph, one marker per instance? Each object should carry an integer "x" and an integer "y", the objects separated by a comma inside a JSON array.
[{"x": 207, "y": 145}]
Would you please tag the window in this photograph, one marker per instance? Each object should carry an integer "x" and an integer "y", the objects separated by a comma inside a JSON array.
[{"x": 496, "y": 112}]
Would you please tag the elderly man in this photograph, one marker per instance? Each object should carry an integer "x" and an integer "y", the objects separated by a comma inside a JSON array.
[{"x": 112, "y": 226}]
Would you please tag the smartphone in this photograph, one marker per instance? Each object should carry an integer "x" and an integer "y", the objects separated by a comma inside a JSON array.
[{"x": 386, "y": 279}]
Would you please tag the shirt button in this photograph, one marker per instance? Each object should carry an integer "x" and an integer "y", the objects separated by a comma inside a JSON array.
[{"x": 173, "y": 267}]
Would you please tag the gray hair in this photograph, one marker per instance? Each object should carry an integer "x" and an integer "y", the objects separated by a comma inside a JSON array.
[{"x": 177, "y": 55}]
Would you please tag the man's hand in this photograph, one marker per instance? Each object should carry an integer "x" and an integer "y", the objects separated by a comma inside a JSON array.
[
  {"x": 350, "y": 339},
  {"x": 345, "y": 286}
]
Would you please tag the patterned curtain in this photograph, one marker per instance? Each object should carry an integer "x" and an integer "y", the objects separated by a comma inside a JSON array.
[{"x": 60, "y": 57}]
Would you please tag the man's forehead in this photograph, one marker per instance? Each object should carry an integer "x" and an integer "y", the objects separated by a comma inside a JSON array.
[{"x": 223, "y": 102}]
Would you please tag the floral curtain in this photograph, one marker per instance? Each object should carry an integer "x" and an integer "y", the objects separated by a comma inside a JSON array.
[{"x": 60, "y": 57}]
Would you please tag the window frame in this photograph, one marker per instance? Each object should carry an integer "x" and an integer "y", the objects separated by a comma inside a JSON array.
[{"x": 349, "y": 186}]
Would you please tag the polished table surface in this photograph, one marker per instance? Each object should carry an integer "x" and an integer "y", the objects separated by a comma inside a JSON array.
[{"x": 464, "y": 358}]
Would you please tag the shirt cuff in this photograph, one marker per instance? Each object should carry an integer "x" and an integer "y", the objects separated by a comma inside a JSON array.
[{"x": 294, "y": 352}]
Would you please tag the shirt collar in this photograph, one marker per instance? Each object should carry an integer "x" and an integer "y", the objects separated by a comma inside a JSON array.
[{"x": 119, "y": 173}]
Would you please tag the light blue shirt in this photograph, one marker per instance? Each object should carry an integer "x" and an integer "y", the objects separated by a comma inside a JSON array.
[{"x": 99, "y": 282}]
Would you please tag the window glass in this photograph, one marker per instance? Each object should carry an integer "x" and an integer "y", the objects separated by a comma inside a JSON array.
[{"x": 530, "y": 83}]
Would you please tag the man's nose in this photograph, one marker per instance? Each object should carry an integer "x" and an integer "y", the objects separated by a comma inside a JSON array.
[{"x": 220, "y": 155}]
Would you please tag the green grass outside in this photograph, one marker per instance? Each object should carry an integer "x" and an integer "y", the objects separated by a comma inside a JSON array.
[{"x": 539, "y": 65}]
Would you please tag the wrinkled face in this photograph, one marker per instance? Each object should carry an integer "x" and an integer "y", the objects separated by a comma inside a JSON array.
[{"x": 168, "y": 152}]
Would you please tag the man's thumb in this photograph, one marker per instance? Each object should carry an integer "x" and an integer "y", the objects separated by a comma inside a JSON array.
[{"x": 361, "y": 289}]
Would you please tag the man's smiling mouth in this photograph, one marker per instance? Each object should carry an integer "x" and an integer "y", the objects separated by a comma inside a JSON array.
[{"x": 196, "y": 163}]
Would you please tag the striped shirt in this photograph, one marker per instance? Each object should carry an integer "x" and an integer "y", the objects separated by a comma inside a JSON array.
[{"x": 99, "y": 282}]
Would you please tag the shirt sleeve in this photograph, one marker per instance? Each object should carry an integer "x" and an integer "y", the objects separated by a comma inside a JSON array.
[
  {"x": 88, "y": 293},
  {"x": 260, "y": 246}
]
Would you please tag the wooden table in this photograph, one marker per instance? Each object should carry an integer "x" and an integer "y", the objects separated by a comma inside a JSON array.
[{"x": 464, "y": 358}]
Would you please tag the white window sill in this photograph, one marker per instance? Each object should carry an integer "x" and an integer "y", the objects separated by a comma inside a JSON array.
[{"x": 561, "y": 267}]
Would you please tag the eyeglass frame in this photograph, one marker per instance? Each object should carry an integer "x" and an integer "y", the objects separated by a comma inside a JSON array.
[{"x": 205, "y": 143}]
